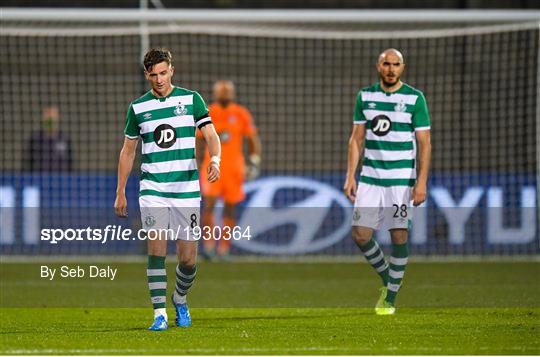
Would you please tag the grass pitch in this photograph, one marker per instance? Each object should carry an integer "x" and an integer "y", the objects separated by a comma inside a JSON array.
[{"x": 277, "y": 308}]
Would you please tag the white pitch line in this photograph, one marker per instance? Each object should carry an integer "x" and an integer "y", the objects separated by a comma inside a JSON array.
[
  {"x": 182, "y": 351},
  {"x": 188, "y": 350}
]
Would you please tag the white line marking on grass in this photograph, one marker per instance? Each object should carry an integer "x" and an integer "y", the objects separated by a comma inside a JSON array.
[
  {"x": 182, "y": 351},
  {"x": 283, "y": 350}
]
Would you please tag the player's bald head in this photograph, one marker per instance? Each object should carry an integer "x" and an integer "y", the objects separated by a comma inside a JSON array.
[
  {"x": 390, "y": 66},
  {"x": 391, "y": 55},
  {"x": 224, "y": 84},
  {"x": 224, "y": 91}
]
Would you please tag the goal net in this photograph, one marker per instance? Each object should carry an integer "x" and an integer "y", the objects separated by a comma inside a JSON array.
[{"x": 299, "y": 76}]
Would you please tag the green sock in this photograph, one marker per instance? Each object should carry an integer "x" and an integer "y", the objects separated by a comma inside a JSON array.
[
  {"x": 157, "y": 281},
  {"x": 398, "y": 262},
  {"x": 375, "y": 256}
]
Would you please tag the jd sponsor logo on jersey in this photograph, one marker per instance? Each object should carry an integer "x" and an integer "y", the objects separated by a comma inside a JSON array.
[
  {"x": 165, "y": 136},
  {"x": 380, "y": 125},
  {"x": 180, "y": 109}
]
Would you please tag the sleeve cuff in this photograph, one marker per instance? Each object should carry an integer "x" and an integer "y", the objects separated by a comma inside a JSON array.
[
  {"x": 131, "y": 136},
  {"x": 422, "y": 128}
]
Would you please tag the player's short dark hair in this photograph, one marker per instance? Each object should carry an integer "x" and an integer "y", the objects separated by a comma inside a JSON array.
[{"x": 155, "y": 56}]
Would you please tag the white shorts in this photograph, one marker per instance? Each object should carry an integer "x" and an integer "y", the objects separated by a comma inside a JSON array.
[
  {"x": 173, "y": 215},
  {"x": 377, "y": 204}
]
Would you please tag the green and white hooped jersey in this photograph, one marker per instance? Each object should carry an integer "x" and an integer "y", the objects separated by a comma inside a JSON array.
[
  {"x": 167, "y": 129},
  {"x": 391, "y": 120}
]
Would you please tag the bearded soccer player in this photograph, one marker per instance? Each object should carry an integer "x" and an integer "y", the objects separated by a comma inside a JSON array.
[
  {"x": 233, "y": 124},
  {"x": 165, "y": 119},
  {"x": 390, "y": 119}
]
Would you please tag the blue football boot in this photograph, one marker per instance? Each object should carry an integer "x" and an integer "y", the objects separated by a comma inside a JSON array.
[
  {"x": 183, "y": 318},
  {"x": 160, "y": 324}
]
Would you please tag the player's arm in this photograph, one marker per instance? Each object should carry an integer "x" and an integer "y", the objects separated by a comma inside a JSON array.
[
  {"x": 254, "y": 148},
  {"x": 356, "y": 145},
  {"x": 254, "y": 160},
  {"x": 423, "y": 142},
  {"x": 200, "y": 147},
  {"x": 125, "y": 164},
  {"x": 249, "y": 131},
  {"x": 422, "y": 125},
  {"x": 211, "y": 139}
]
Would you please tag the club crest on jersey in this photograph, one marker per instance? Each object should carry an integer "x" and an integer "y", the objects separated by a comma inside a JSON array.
[
  {"x": 149, "y": 221},
  {"x": 400, "y": 107},
  {"x": 180, "y": 109},
  {"x": 356, "y": 215},
  {"x": 380, "y": 125}
]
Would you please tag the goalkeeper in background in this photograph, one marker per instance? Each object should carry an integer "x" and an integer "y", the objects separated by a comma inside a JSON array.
[
  {"x": 390, "y": 119},
  {"x": 165, "y": 119},
  {"x": 233, "y": 123}
]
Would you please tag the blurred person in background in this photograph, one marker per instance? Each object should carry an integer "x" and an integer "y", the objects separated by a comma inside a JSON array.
[
  {"x": 49, "y": 149},
  {"x": 233, "y": 123}
]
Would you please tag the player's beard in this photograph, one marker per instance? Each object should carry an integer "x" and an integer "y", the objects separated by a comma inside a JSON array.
[
  {"x": 388, "y": 84},
  {"x": 224, "y": 102}
]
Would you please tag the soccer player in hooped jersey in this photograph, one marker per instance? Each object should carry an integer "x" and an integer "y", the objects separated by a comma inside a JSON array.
[
  {"x": 391, "y": 119},
  {"x": 165, "y": 119}
]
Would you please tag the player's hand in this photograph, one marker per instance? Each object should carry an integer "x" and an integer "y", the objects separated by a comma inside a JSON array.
[
  {"x": 253, "y": 167},
  {"x": 120, "y": 205},
  {"x": 213, "y": 172},
  {"x": 419, "y": 193},
  {"x": 350, "y": 188},
  {"x": 252, "y": 172}
]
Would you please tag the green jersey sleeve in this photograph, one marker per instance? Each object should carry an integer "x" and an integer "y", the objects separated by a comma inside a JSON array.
[
  {"x": 420, "y": 119},
  {"x": 359, "y": 117},
  {"x": 200, "y": 111},
  {"x": 132, "y": 129}
]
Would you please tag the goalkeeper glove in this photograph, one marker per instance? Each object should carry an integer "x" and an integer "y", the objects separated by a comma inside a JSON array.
[{"x": 253, "y": 167}]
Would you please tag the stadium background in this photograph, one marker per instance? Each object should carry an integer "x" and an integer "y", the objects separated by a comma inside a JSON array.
[{"x": 299, "y": 78}]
